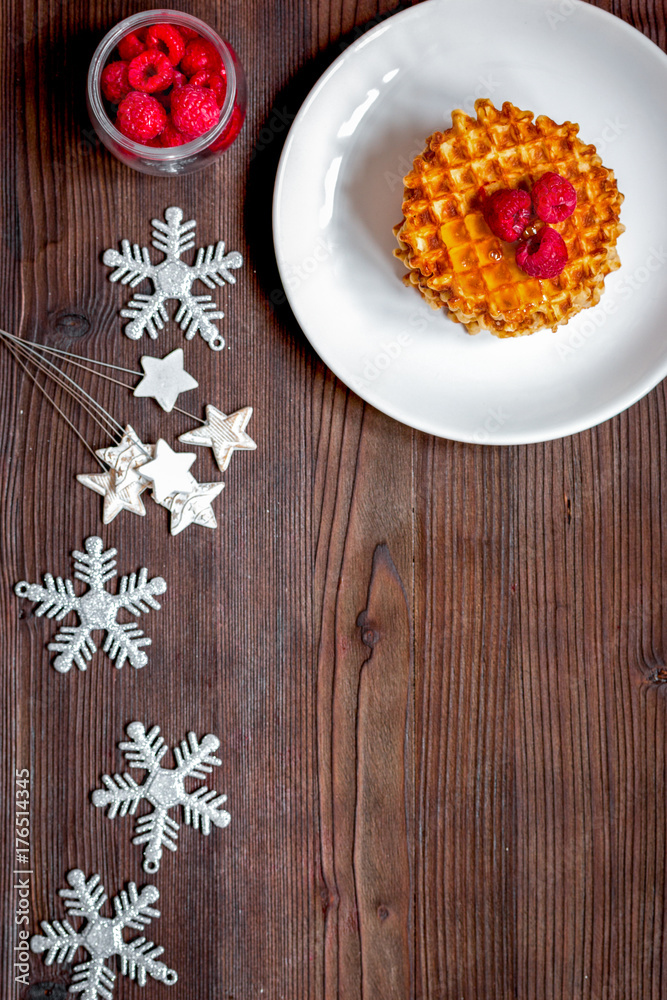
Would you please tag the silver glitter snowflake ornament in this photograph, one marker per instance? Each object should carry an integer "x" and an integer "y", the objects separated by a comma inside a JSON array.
[
  {"x": 172, "y": 278},
  {"x": 164, "y": 789},
  {"x": 96, "y": 609},
  {"x": 102, "y": 937}
]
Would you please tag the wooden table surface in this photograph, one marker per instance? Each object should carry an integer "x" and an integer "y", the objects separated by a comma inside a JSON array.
[{"x": 436, "y": 670}]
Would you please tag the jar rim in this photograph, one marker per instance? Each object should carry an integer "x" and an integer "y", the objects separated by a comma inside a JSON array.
[{"x": 144, "y": 19}]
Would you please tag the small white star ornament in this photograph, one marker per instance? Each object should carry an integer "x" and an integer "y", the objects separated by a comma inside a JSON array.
[
  {"x": 127, "y": 456},
  {"x": 116, "y": 498},
  {"x": 169, "y": 471},
  {"x": 165, "y": 379},
  {"x": 122, "y": 485},
  {"x": 175, "y": 488},
  {"x": 224, "y": 434},
  {"x": 135, "y": 467},
  {"x": 193, "y": 507}
]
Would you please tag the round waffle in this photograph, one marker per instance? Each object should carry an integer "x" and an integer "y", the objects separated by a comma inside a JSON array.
[{"x": 452, "y": 255}]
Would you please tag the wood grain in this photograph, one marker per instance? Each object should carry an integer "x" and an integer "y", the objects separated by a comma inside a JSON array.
[{"x": 437, "y": 670}]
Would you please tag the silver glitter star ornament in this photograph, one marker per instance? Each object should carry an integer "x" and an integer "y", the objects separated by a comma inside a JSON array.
[
  {"x": 224, "y": 434},
  {"x": 172, "y": 278},
  {"x": 164, "y": 789},
  {"x": 165, "y": 379},
  {"x": 102, "y": 937},
  {"x": 96, "y": 609}
]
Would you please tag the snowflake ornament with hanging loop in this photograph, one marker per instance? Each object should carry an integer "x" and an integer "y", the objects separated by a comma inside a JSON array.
[
  {"x": 96, "y": 609},
  {"x": 102, "y": 937},
  {"x": 172, "y": 278},
  {"x": 164, "y": 789}
]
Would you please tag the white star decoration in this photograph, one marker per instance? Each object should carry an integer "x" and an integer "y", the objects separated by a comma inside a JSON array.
[
  {"x": 164, "y": 379},
  {"x": 122, "y": 486},
  {"x": 115, "y": 498},
  {"x": 135, "y": 467},
  {"x": 127, "y": 456},
  {"x": 168, "y": 471},
  {"x": 193, "y": 507},
  {"x": 224, "y": 434}
]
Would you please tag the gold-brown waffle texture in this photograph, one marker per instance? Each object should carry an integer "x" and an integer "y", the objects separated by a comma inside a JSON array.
[{"x": 453, "y": 257}]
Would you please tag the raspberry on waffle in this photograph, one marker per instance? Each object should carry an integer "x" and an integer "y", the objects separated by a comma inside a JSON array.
[{"x": 453, "y": 257}]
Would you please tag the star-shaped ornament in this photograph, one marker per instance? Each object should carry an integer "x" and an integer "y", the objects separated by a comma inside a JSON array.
[
  {"x": 116, "y": 498},
  {"x": 127, "y": 456},
  {"x": 168, "y": 471},
  {"x": 224, "y": 434},
  {"x": 121, "y": 486},
  {"x": 193, "y": 507},
  {"x": 164, "y": 379}
]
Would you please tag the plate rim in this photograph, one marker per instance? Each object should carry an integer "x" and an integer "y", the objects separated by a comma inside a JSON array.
[{"x": 498, "y": 438}]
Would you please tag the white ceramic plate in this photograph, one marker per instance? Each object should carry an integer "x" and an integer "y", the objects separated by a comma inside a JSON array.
[{"x": 339, "y": 190}]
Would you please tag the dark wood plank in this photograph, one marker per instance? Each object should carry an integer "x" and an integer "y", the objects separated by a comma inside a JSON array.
[
  {"x": 351, "y": 569},
  {"x": 464, "y": 720}
]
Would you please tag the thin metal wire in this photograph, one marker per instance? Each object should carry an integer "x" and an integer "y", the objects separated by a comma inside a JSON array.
[
  {"x": 109, "y": 378},
  {"x": 64, "y": 388},
  {"x": 15, "y": 354},
  {"x": 101, "y": 416},
  {"x": 31, "y": 346},
  {"x": 68, "y": 354}
]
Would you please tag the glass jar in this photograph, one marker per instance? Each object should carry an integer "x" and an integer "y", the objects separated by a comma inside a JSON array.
[{"x": 192, "y": 155}]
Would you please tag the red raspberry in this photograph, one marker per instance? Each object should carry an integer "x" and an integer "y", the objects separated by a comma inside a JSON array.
[
  {"x": 130, "y": 46},
  {"x": 211, "y": 81},
  {"x": 543, "y": 255},
  {"x": 114, "y": 82},
  {"x": 187, "y": 33},
  {"x": 507, "y": 213},
  {"x": 554, "y": 197},
  {"x": 172, "y": 137},
  {"x": 168, "y": 40},
  {"x": 194, "y": 110},
  {"x": 140, "y": 117},
  {"x": 230, "y": 131},
  {"x": 200, "y": 54},
  {"x": 150, "y": 71},
  {"x": 179, "y": 81}
]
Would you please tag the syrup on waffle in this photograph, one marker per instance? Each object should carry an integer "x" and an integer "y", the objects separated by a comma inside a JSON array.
[{"x": 453, "y": 257}]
